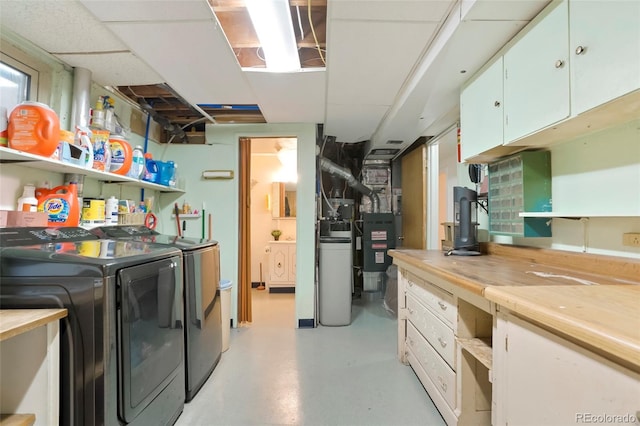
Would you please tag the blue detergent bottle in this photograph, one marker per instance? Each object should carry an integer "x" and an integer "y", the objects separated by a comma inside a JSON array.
[{"x": 150, "y": 169}]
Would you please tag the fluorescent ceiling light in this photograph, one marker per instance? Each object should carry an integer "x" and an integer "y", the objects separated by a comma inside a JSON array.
[{"x": 272, "y": 21}]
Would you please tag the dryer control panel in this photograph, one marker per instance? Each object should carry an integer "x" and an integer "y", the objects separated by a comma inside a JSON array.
[{"x": 14, "y": 237}]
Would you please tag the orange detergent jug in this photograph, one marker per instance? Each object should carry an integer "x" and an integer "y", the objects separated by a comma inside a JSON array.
[
  {"x": 34, "y": 128},
  {"x": 121, "y": 155},
  {"x": 61, "y": 204}
]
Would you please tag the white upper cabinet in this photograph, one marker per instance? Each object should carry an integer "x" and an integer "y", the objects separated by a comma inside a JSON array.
[
  {"x": 605, "y": 51},
  {"x": 536, "y": 84},
  {"x": 481, "y": 112}
]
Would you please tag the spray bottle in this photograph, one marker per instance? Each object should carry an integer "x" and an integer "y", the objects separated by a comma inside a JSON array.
[{"x": 83, "y": 138}]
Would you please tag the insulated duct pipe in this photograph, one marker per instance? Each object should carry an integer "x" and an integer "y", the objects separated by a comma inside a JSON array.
[
  {"x": 335, "y": 170},
  {"x": 80, "y": 104}
]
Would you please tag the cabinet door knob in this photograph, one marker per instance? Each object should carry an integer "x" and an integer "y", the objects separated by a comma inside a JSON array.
[
  {"x": 279, "y": 265},
  {"x": 411, "y": 311},
  {"x": 496, "y": 104},
  {"x": 442, "y": 342},
  {"x": 443, "y": 385},
  {"x": 442, "y": 306},
  {"x": 580, "y": 50},
  {"x": 559, "y": 63}
]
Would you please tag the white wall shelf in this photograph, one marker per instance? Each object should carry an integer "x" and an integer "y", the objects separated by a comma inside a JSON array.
[{"x": 12, "y": 156}]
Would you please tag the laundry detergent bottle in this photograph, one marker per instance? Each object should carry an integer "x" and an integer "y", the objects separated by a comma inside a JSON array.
[
  {"x": 61, "y": 205},
  {"x": 150, "y": 169},
  {"x": 137, "y": 163}
]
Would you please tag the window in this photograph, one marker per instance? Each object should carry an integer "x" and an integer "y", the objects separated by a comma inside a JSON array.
[{"x": 16, "y": 83}]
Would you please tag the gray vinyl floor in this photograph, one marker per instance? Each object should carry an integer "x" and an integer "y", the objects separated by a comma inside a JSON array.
[{"x": 275, "y": 374}]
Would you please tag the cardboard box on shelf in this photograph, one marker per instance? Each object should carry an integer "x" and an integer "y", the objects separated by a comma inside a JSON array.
[{"x": 18, "y": 219}]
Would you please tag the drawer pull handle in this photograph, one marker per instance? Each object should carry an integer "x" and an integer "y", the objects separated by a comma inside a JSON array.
[
  {"x": 443, "y": 343},
  {"x": 442, "y": 306},
  {"x": 411, "y": 311},
  {"x": 443, "y": 385}
]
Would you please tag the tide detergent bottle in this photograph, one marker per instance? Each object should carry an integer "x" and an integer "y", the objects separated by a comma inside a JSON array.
[{"x": 61, "y": 205}]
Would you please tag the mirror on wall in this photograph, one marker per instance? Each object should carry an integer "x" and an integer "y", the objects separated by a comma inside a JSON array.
[{"x": 283, "y": 199}]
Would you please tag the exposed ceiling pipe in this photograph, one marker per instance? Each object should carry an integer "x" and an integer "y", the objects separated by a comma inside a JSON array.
[
  {"x": 166, "y": 125},
  {"x": 80, "y": 104},
  {"x": 335, "y": 170}
]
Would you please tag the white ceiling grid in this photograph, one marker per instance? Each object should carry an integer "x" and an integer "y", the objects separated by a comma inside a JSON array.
[{"x": 393, "y": 66}]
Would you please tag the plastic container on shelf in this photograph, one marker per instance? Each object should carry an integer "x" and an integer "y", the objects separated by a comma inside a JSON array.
[
  {"x": 121, "y": 155},
  {"x": 225, "y": 299},
  {"x": 4, "y": 123},
  {"x": 61, "y": 205},
  {"x": 111, "y": 211},
  {"x": 166, "y": 170},
  {"x": 83, "y": 139},
  {"x": 93, "y": 211},
  {"x": 137, "y": 163},
  {"x": 28, "y": 202},
  {"x": 150, "y": 168},
  {"x": 101, "y": 150},
  {"x": 34, "y": 128}
]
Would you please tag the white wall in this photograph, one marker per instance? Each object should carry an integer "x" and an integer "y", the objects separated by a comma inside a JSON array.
[
  {"x": 597, "y": 175},
  {"x": 221, "y": 198}
]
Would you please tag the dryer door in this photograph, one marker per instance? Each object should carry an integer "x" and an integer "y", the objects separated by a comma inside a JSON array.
[{"x": 150, "y": 333}]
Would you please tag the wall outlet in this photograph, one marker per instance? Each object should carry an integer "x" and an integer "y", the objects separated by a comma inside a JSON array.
[{"x": 631, "y": 239}]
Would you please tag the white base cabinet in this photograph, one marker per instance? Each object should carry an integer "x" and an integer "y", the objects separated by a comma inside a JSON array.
[
  {"x": 30, "y": 363},
  {"x": 540, "y": 378},
  {"x": 282, "y": 264},
  {"x": 435, "y": 324}
]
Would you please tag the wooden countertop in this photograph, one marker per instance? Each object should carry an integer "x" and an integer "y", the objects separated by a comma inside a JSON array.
[
  {"x": 591, "y": 299},
  {"x": 606, "y": 318},
  {"x": 476, "y": 273},
  {"x": 17, "y": 321}
]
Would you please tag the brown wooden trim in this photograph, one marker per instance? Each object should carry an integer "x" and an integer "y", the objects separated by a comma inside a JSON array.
[{"x": 244, "y": 263}]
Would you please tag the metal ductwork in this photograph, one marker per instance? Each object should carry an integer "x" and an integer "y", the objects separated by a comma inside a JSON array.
[
  {"x": 335, "y": 170},
  {"x": 174, "y": 130}
]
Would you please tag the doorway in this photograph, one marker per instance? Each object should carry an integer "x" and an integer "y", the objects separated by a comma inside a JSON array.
[{"x": 268, "y": 270}]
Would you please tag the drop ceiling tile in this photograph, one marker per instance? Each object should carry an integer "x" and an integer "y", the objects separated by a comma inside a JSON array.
[
  {"x": 145, "y": 10},
  {"x": 193, "y": 58},
  {"x": 437, "y": 92},
  {"x": 369, "y": 61},
  {"x": 114, "y": 69},
  {"x": 290, "y": 97},
  {"x": 58, "y": 26},
  {"x": 390, "y": 10},
  {"x": 353, "y": 125}
]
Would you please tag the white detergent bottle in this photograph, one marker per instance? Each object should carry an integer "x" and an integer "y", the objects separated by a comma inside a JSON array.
[
  {"x": 28, "y": 202},
  {"x": 111, "y": 211},
  {"x": 84, "y": 140}
]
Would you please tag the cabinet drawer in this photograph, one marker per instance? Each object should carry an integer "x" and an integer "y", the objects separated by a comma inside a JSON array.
[
  {"x": 438, "y": 301},
  {"x": 439, "y": 335},
  {"x": 442, "y": 376}
]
